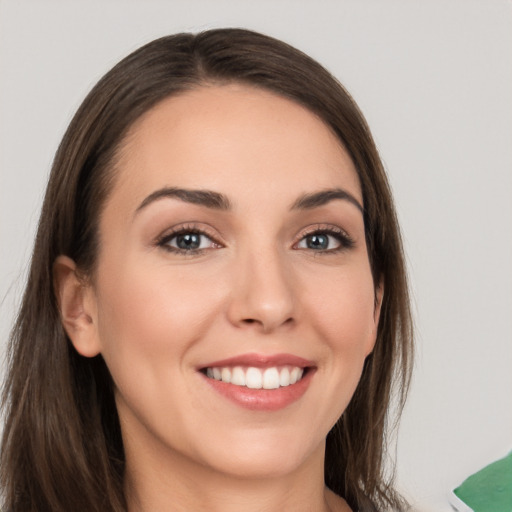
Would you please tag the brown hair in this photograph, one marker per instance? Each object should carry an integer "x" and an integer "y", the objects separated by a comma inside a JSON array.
[{"x": 62, "y": 448}]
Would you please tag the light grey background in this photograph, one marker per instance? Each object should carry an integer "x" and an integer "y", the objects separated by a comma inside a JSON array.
[{"x": 434, "y": 79}]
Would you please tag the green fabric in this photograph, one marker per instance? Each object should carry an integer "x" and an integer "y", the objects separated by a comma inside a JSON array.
[{"x": 490, "y": 489}]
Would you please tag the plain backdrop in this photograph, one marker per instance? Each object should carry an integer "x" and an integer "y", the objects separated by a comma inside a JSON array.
[{"x": 434, "y": 79}]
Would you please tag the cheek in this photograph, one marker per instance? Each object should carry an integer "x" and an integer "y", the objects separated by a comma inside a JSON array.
[
  {"x": 344, "y": 311},
  {"x": 149, "y": 315}
]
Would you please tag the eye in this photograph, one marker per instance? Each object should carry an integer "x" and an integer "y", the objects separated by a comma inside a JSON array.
[
  {"x": 187, "y": 242},
  {"x": 325, "y": 240},
  {"x": 319, "y": 242}
]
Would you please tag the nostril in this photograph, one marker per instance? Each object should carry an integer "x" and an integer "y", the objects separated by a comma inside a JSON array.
[{"x": 265, "y": 325}]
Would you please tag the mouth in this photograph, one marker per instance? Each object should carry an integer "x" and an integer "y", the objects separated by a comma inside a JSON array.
[
  {"x": 260, "y": 382},
  {"x": 252, "y": 377}
]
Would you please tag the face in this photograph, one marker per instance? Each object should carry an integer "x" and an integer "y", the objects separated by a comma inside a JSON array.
[{"x": 233, "y": 300}]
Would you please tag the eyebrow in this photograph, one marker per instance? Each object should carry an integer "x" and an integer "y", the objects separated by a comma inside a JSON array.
[
  {"x": 217, "y": 201},
  {"x": 317, "y": 199},
  {"x": 206, "y": 198}
]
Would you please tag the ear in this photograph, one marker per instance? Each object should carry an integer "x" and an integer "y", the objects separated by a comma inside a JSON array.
[
  {"x": 77, "y": 306},
  {"x": 379, "y": 295}
]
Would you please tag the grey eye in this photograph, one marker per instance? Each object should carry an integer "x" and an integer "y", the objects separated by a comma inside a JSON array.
[
  {"x": 319, "y": 242},
  {"x": 189, "y": 241}
]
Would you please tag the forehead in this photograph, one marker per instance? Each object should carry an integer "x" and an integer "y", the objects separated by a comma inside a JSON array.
[{"x": 233, "y": 137}]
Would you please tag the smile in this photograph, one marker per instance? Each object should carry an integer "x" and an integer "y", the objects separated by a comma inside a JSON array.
[
  {"x": 257, "y": 378},
  {"x": 260, "y": 382}
]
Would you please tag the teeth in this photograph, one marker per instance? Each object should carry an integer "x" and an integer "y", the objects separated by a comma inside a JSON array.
[
  {"x": 257, "y": 378},
  {"x": 225, "y": 375},
  {"x": 254, "y": 378},
  {"x": 295, "y": 375},
  {"x": 238, "y": 376},
  {"x": 270, "y": 378},
  {"x": 284, "y": 377}
]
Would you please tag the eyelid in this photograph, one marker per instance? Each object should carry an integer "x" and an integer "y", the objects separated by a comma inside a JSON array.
[
  {"x": 346, "y": 240},
  {"x": 188, "y": 227}
]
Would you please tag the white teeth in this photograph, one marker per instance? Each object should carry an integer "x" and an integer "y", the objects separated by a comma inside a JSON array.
[
  {"x": 226, "y": 375},
  {"x": 294, "y": 375},
  {"x": 284, "y": 377},
  {"x": 254, "y": 378},
  {"x": 238, "y": 376},
  {"x": 270, "y": 378},
  {"x": 257, "y": 378}
]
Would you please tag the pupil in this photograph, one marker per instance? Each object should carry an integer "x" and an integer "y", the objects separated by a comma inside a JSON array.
[
  {"x": 318, "y": 242},
  {"x": 188, "y": 241}
]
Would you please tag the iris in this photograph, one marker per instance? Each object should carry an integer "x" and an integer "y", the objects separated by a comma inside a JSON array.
[
  {"x": 188, "y": 241},
  {"x": 317, "y": 241}
]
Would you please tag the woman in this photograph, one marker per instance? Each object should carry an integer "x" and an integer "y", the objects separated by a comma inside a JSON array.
[{"x": 217, "y": 304}]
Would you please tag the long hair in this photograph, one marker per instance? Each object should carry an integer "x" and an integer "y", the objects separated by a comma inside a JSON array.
[{"x": 62, "y": 448}]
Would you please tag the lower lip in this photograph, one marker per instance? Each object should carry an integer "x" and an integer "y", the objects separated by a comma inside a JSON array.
[{"x": 262, "y": 399}]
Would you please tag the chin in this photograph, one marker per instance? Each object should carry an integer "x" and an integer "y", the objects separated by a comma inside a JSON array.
[{"x": 263, "y": 458}]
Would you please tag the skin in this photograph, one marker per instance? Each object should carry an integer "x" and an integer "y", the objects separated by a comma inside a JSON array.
[{"x": 157, "y": 315}]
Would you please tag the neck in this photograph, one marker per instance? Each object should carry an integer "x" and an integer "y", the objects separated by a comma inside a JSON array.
[{"x": 156, "y": 486}]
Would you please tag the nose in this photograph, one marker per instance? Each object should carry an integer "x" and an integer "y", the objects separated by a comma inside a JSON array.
[{"x": 262, "y": 293}]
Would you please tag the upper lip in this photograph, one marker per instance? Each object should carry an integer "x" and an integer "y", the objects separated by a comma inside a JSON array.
[{"x": 261, "y": 361}]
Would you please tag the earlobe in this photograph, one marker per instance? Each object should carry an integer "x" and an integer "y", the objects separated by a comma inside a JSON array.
[{"x": 77, "y": 307}]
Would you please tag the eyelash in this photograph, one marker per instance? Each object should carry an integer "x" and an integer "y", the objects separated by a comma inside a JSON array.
[
  {"x": 165, "y": 240},
  {"x": 342, "y": 237},
  {"x": 344, "y": 240}
]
